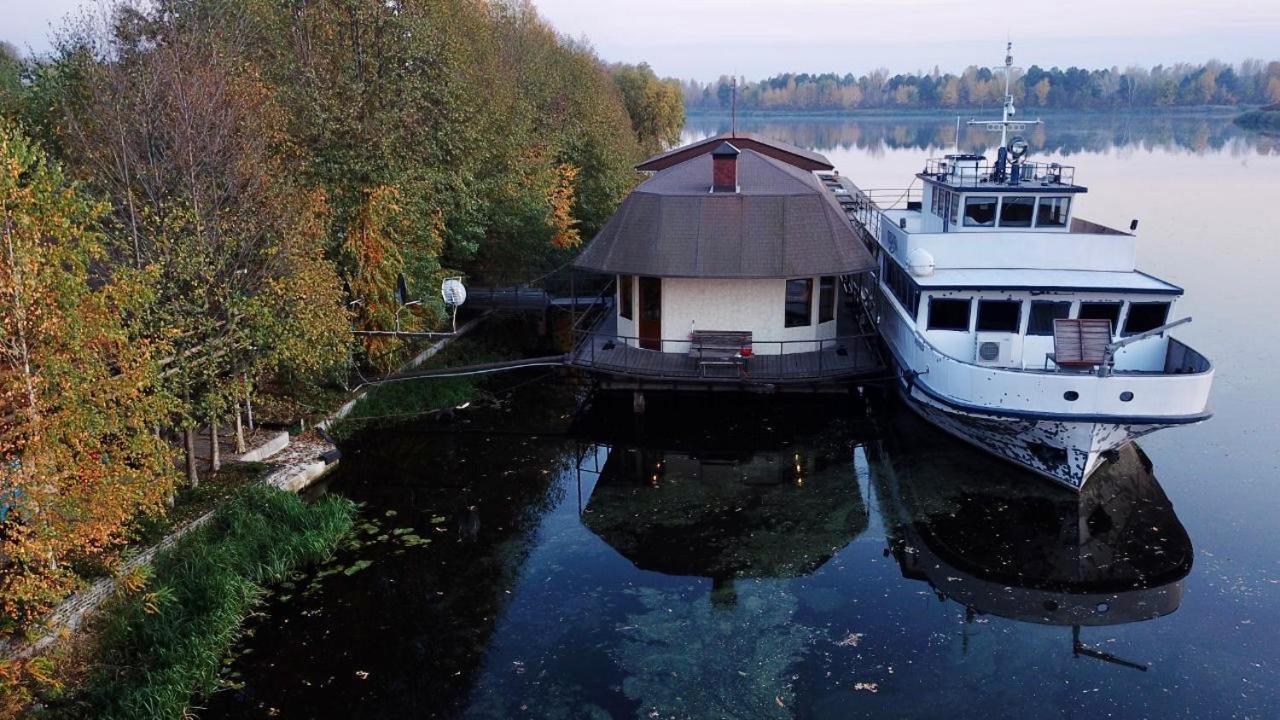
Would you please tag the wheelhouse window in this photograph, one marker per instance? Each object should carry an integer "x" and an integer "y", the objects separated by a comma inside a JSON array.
[
  {"x": 949, "y": 314},
  {"x": 799, "y": 308},
  {"x": 625, "y": 295},
  {"x": 1043, "y": 313},
  {"x": 827, "y": 298},
  {"x": 999, "y": 315},
  {"x": 1052, "y": 211},
  {"x": 1145, "y": 316},
  {"x": 1101, "y": 311},
  {"x": 900, "y": 284},
  {"x": 1016, "y": 211},
  {"x": 979, "y": 211}
]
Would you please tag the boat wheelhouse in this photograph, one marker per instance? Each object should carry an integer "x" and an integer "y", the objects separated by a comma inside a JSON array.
[
  {"x": 1019, "y": 326},
  {"x": 726, "y": 265}
]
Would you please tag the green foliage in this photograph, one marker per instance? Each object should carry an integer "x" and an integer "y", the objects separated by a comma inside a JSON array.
[
  {"x": 164, "y": 643},
  {"x": 656, "y": 106}
]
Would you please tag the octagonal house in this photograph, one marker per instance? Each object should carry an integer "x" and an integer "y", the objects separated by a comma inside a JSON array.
[{"x": 729, "y": 266}]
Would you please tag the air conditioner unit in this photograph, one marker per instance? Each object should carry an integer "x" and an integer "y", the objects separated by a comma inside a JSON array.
[{"x": 994, "y": 350}]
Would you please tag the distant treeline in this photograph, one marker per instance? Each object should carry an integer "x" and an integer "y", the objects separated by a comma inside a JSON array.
[{"x": 1179, "y": 85}]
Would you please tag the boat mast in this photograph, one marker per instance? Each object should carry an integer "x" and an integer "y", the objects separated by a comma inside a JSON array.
[{"x": 1006, "y": 121}]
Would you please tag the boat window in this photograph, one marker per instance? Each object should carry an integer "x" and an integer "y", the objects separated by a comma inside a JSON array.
[
  {"x": 900, "y": 284},
  {"x": 979, "y": 211},
  {"x": 953, "y": 203},
  {"x": 1016, "y": 211},
  {"x": 1043, "y": 313},
  {"x": 1052, "y": 211},
  {"x": 1145, "y": 316},
  {"x": 999, "y": 315},
  {"x": 799, "y": 307},
  {"x": 827, "y": 298},
  {"x": 949, "y": 314},
  {"x": 1101, "y": 311},
  {"x": 625, "y": 296}
]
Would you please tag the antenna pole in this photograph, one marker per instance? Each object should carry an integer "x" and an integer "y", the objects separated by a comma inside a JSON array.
[
  {"x": 957, "y": 134},
  {"x": 733, "y": 132},
  {"x": 1008, "y": 97}
]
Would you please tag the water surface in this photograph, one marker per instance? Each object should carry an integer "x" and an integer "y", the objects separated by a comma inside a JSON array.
[{"x": 824, "y": 557}]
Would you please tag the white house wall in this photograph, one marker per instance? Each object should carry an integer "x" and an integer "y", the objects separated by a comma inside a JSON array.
[{"x": 690, "y": 304}]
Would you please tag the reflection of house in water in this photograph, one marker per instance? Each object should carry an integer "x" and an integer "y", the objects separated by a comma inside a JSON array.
[
  {"x": 725, "y": 504},
  {"x": 1114, "y": 554}
]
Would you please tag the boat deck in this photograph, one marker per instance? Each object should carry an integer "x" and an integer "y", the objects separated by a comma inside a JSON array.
[{"x": 853, "y": 354}]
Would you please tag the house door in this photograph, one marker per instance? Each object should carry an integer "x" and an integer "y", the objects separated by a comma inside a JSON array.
[{"x": 650, "y": 326}]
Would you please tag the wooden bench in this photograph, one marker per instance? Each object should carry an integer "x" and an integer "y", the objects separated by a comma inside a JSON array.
[
  {"x": 720, "y": 349},
  {"x": 1080, "y": 344}
]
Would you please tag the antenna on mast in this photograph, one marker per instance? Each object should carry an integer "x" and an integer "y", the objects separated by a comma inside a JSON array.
[{"x": 1006, "y": 121}]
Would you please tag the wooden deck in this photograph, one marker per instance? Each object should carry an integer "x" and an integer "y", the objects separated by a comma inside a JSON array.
[{"x": 830, "y": 361}]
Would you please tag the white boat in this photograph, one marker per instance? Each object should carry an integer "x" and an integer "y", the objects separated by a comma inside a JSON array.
[{"x": 1016, "y": 325}]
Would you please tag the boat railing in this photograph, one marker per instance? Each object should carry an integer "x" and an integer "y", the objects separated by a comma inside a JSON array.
[
  {"x": 758, "y": 360},
  {"x": 983, "y": 172},
  {"x": 864, "y": 207}
]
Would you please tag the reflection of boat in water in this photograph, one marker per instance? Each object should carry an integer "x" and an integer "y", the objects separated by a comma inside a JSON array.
[
  {"x": 1114, "y": 553},
  {"x": 744, "y": 494}
]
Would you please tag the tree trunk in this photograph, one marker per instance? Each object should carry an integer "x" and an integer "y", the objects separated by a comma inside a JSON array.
[
  {"x": 189, "y": 442},
  {"x": 248, "y": 406},
  {"x": 240, "y": 447},
  {"x": 215, "y": 459}
]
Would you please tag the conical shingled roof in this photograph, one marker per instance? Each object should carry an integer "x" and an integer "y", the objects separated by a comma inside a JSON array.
[{"x": 781, "y": 223}]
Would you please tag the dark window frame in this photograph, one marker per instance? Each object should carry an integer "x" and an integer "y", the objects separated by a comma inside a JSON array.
[
  {"x": 1115, "y": 321},
  {"x": 992, "y": 200},
  {"x": 826, "y": 298},
  {"x": 1027, "y": 201},
  {"x": 1063, "y": 305},
  {"x": 1017, "y": 318},
  {"x": 900, "y": 285},
  {"x": 790, "y": 318},
  {"x": 1128, "y": 318},
  {"x": 626, "y": 297},
  {"x": 1066, "y": 210},
  {"x": 968, "y": 313}
]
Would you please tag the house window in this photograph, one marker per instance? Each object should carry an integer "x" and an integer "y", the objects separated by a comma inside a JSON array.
[
  {"x": 799, "y": 307},
  {"x": 1145, "y": 316},
  {"x": 1052, "y": 211},
  {"x": 949, "y": 314},
  {"x": 1043, "y": 313},
  {"x": 827, "y": 298},
  {"x": 999, "y": 315},
  {"x": 1016, "y": 211},
  {"x": 1101, "y": 311},
  {"x": 979, "y": 211},
  {"x": 625, "y": 296}
]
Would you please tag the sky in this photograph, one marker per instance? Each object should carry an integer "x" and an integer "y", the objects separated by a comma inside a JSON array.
[{"x": 756, "y": 38}]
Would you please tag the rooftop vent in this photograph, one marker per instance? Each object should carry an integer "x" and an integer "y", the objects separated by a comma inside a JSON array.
[{"x": 724, "y": 168}]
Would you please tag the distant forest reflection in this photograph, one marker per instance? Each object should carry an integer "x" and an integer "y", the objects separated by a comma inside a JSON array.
[{"x": 1068, "y": 134}]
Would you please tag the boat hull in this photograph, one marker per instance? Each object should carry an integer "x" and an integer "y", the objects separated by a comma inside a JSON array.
[{"x": 1064, "y": 450}]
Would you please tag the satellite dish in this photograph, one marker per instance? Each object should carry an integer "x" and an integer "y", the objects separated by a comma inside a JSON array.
[
  {"x": 453, "y": 291},
  {"x": 1018, "y": 148}
]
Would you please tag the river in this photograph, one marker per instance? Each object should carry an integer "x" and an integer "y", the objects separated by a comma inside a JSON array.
[{"x": 824, "y": 557}]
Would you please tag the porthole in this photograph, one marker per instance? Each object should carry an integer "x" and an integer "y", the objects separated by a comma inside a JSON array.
[
  {"x": 1102, "y": 607},
  {"x": 1071, "y": 396},
  {"x": 1126, "y": 396}
]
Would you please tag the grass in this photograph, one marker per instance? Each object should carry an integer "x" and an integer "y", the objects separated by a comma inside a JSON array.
[
  {"x": 161, "y": 645},
  {"x": 396, "y": 402}
]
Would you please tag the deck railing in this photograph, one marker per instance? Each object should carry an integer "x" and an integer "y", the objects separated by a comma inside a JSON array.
[
  {"x": 765, "y": 360},
  {"x": 984, "y": 171}
]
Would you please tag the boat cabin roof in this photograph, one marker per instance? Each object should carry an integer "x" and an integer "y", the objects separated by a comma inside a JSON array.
[
  {"x": 977, "y": 279},
  {"x": 974, "y": 173}
]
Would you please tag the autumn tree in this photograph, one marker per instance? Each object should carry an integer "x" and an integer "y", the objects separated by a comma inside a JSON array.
[
  {"x": 79, "y": 398},
  {"x": 656, "y": 106}
]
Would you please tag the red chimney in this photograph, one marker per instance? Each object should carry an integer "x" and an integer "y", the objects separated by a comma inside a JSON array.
[{"x": 724, "y": 168}]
